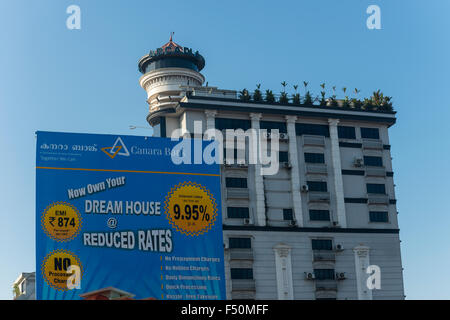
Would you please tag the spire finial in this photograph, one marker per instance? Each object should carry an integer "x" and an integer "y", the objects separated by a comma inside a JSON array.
[{"x": 171, "y": 36}]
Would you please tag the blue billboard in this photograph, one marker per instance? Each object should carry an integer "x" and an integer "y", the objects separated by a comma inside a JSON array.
[{"x": 116, "y": 218}]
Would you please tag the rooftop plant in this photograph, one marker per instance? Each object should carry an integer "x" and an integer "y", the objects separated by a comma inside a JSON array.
[
  {"x": 283, "y": 95},
  {"x": 270, "y": 98},
  {"x": 376, "y": 102},
  {"x": 244, "y": 95},
  {"x": 346, "y": 101},
  {"x": 296, "y": 95},
  {"x": 257, "y": 95},
  {"x": 308, "y": 99},
  {"x": 323, "y": 102}
]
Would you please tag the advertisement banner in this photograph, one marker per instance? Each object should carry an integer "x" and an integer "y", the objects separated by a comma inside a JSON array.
[{"x": 117, "y": 218}]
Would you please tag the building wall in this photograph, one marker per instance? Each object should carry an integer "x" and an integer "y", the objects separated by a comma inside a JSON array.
[
  {"x": 287, "y": 252},
  {"x": 384, "y": 252}
]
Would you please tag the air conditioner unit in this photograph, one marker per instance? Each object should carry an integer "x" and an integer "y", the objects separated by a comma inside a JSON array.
[
  {"x": 309, "y": 276},
  {"x": 335, "y": 224},
  {"x": 358, "y": 162},
  {"x": 293, "y": 223},
  {"x": 340, "y": 276},
  {"x": 305, "y": 188},
  {"x": 286, "y": 165},
  {"x": 225, "y": 245},
  {"x": 284, "y": 136},
  {"x": 339, "y": 247}
]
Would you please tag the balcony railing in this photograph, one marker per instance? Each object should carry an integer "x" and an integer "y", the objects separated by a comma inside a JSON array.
[
  {"x": 317, "y": 168},
  {"x": 237, "y": 193},
  {"x": 323, "y": 256},
  {"x": 372, "y": 144},
  {"x": 326, "y": 285},
  {"x": 378, "y": 199},
  {"x": 243, "y": 285},
  {"x": 375, "y": 171},
  {"x": 315, "y": 196},
  {"x": 314, "y": 141},
  {"x": 241, "y": 254}
]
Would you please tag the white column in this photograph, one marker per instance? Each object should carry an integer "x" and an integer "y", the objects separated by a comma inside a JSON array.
[
  {"x": 259, "y": 181},
  {"x": 210, "y": 119},
  {"x": 361, "y": 264},
  {"x": 226, "y": 257},
  {"x": 337, "y": 170},
  {"x": 284, "y": 272},
  {"x": 295, "y": 170}
]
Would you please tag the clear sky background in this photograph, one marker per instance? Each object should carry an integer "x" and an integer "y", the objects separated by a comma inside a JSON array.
[{"x": 56, "y": 79}]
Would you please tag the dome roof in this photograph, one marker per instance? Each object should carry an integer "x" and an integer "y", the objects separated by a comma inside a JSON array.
[{"x": 171, "y": 55}]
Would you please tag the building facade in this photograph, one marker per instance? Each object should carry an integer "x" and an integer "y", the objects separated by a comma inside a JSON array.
[
  {"x": 24, "y": 288},
  {"x": 312, "y": 230}
]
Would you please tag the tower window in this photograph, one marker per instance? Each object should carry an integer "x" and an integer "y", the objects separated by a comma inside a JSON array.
[
  {"x": 379, "y": 216},
  {"x": 223, "y": 123},
  {"x": 370, "y": 133},
  {"x": 314, "y": 158},
  {"x": 269, "y": 125},
  {"x": 312, "y": 129},
  {"x": 240, "y": 243},
  {"x": 288, "y": 214},
  {"x": 324, "y": 274},
  {"x": 319, "y": 215},
  {"x": 376, "y": 188},
  {"x": 320, "y": 186},
  {"x": 283, "y": 156},
  {"x": 373, "y": 161},
  {"x": 241, "y": 273},
  {"x": 346, "y": 132},
  {"x": 238, "y": 213},
  {"x": 322, "y": 244},
  {"x": 236, "y": 182}
]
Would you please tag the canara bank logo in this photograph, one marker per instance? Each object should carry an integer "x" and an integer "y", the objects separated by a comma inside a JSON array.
[{"x": 118, "y": 148}]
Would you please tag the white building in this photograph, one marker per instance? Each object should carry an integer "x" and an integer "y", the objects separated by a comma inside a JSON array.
[
  {"x": 311, "y": 230},
  {"x": 24, "y": 287}
]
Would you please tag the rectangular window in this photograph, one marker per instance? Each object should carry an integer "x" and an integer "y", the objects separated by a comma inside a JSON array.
[
  {"x": 346, "y": 132},
  {"x": 322, "y": 244},
  {"x": 240, "y": 243},
  {"x": 324, "y": 274},
  {"x": 238, "y": 213},
  {"x": 379, "y": 216},
  {"x": 283, "y": 156},
  {"x": 288, "y": 215},
  {"x": 317, "y": 186},
  {"x": 312, "y": 129},
  {"x": 223, "y": 123},
  {"x": 269, "y": 125},
  {"x": 319, "y": 215},
  {"x": 236, "y": 182},
  {"x": 373, "y": 161},
  {"x": 241, "y": 273},
  {"x": 376, "y": 188},
  {"x": 370, "y": 133},
  {"x": 314, "y": 157}
]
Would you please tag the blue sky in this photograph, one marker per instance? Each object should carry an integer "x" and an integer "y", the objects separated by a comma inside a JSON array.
[{"x": 56, "y": 79}]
